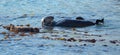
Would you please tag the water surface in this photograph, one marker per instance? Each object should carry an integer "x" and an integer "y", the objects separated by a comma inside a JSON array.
[{"x": 10, "y": 10}]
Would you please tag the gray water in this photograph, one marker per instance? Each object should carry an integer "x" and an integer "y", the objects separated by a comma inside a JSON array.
[{"x": 10, "y": 10}]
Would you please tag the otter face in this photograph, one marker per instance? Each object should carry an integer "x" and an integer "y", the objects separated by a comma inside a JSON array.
[{"x": 47, "y": 21}]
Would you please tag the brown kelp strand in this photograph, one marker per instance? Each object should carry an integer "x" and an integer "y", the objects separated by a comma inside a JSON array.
[{"x": 21, "y": 28}]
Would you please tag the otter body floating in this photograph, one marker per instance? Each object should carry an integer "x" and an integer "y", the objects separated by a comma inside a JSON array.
[
  {"x": 79, "y": 22},
  {"x": 74, "y": 23}
]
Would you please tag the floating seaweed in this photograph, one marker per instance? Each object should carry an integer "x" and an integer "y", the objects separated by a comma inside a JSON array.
[
  {"x": 21, "y": 28},
  {"x": 114, "y": 41}
]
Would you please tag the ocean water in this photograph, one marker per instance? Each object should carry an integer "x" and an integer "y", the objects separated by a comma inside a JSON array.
[{"x": 12, "y": 10}]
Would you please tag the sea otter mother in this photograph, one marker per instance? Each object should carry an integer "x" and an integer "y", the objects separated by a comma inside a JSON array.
[{"x": 79, "y": 22}]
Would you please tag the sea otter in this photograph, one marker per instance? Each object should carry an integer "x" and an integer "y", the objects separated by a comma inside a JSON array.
[{"x": 79, "y": 22}]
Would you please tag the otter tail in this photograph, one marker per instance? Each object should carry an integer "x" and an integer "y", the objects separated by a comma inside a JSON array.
[{"x": 100, "y": 21}]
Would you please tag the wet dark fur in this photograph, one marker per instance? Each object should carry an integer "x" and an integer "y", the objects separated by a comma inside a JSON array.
[{"x": 79, "y": 22}]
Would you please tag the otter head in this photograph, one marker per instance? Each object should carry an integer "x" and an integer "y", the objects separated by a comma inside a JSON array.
[{"x": 47, "y": 21}]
